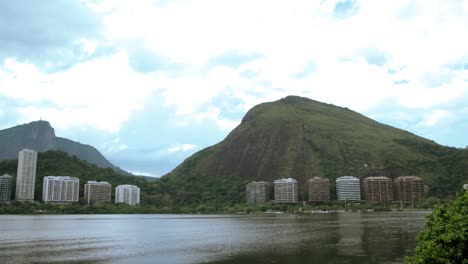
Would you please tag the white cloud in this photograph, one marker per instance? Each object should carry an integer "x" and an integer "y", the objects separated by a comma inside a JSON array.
[
  {"x": 141, "y": 173},
  {"x": 417, "y": 36},
  {"x": 213, "y": 114},
  {"x": 123, "y": 147},
  {"x": 102, "y": 93},
  {"x": 435, "y": 117},
  {"x": 418, "y": 39},
  {"x": 182, "y": 148}
]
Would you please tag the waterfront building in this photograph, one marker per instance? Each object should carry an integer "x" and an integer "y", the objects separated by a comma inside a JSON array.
[
  {"x": 409, "y": 188},
  {"x": 6, "y": 185},
  {"x": 127, "y": 194},
  {"x": 319, "y": 189},
  {"x": 26, "y": 176},
  {"x": 285, "y": 191},
  {"x": 60, "y": 189},
  {"x": 348, "y": 188},
  {"x": 97, "y": 192},
  {"x": 258, "y": 192},
  {"x": 378, "y": 189}
]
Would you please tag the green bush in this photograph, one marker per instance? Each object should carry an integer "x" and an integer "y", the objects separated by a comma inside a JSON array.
[{"x": 445, "y": 237}]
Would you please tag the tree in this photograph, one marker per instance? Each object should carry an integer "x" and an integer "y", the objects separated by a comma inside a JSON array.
[{"x": 445, "y": 237}]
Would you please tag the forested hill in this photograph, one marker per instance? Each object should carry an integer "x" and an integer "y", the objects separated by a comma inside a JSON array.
[
  {"x": 301, "y": 138},
  {"x": 40, "y": 136}
]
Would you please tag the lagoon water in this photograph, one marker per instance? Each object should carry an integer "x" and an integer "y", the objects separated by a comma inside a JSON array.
[{"x": 351, "y": 237}]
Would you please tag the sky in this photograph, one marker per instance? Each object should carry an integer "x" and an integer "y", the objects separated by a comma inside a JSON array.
[{"x": 149, "y": 83}]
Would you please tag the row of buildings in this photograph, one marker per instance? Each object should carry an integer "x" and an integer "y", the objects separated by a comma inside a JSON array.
[
  {"x": 376, "y": 189},
  {"x": 61, "y": 189}
]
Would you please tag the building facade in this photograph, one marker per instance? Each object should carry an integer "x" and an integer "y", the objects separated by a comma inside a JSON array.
[
  {"x": 258, "y": 192},
  {"x": 60, "y": 189},
  {"x": 348, "y": 188},
  {"x": 409, "y": 188},
  {"x": 26, "y": 176},
  {"x": 285, "y": 191},
  {"x": 127, "y": 194},
  {"x": 97, "y": 192},
  {"x": 319, "y": 189},
  {"x": 6, "y": 186},
  {"x": 378, "y": 189}
]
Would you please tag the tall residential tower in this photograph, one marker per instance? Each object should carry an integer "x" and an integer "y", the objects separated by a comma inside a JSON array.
[
  {"x": 26, "y": 177},
  {"x": 97, "y": 192},
  {"x": 60, "y": 189},
  {"x": 319, "y": 189},
  {"x": 348, "y": 188},
  {"x": 378, "y": 189},
  {"x": 6, "y": 183},
  {"x": 258, "y": 192},
  {"x": 127, "y": 194},
  {"x": 286, "y": 191}
]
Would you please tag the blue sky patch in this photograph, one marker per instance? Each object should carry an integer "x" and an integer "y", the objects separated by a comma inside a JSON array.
[
  {"x": 345, "y": 9},
  {"x": 233, "y": 59}
]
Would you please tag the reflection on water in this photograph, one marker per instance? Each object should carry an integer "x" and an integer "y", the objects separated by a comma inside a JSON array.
[
  {"x": 319, "y": 238},
  {"x": 350, "y": 230}
]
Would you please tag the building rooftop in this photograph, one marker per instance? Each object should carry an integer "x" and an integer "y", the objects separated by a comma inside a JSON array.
[
  {"x": 286, "y": 180},
  {"x": 316, "y": 178},
  {"x": 346, "y": 178},
  {"x": 127, "y": 186},
  {"x": 60, "y": 178},
  {"x": 372, "y": 178},
  {"x": 409, "y": 178}
]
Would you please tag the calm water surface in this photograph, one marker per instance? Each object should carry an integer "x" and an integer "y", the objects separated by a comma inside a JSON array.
[{"x": 223, "y": 239}]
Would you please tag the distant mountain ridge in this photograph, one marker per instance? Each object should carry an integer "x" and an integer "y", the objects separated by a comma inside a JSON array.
[{"x": 40, "y": 136}]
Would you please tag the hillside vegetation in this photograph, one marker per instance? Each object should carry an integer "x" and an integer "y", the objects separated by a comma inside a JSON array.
[{"x": 301, "y": 138}]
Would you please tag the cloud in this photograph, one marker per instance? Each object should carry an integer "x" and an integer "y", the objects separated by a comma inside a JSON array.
[
  {"x": 102, "y": 93},
  {"x": 110, "y": 69},
  {"x": 52, "y": 34},
  {"x": 213, "y": 114},
  {"x": 434, "y": 117},
  {"x": 183, "y": 148}
]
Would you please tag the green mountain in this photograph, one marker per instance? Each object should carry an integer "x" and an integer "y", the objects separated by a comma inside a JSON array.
[
  {"x": 40, "y": 136},
  {"x": 301, "y": 138},
  {"x": 59, "y": 163}
]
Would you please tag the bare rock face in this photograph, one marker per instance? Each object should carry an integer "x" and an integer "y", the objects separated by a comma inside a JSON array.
[{"x": 40, "y": 136}]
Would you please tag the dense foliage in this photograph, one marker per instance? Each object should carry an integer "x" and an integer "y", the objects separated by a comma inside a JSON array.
[{"x": 445, "y": 237}]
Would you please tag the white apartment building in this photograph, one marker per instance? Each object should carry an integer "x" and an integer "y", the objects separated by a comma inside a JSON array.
[
  {"x": 97, "y": 192},
  {"x": 26, "y": 176},
  {"x": 60, "y": 189},
  {"x": 285, "y": 191},
  {"x": 127, "y": 194},
  {"x": 348, "y": 188}
]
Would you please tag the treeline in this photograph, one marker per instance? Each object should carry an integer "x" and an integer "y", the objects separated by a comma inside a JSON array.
[
  {"x": 445, "y": 237},
  {"x": 189, "y": 189},
  {"x": 207, "y": 208}
]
